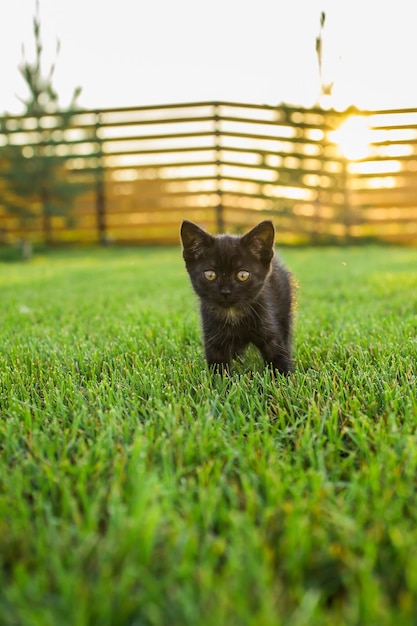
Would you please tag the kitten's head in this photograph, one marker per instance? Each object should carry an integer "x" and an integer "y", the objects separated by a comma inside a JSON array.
[{"x": 228, "y": 271}]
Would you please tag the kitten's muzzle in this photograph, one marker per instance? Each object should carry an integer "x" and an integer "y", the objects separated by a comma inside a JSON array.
[
  {"x": 226, "y": 300},
  {"x": 225, "y": 296},
  {"x": 225, "y": 292}
]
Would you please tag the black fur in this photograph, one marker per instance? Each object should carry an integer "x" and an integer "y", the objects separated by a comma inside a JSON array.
[{"x": 236, "y": 313}]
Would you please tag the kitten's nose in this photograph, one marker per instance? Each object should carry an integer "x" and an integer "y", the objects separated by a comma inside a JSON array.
[{"x": 225, "y": 291}]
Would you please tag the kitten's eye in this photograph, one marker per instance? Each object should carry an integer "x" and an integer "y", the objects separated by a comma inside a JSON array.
[
  {"x": 210, "y": 275},
  {"x": 243, "y": 275}
]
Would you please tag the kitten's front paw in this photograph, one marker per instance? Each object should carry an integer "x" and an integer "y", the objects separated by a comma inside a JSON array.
[
  {"x": 218, "y": 359},
  {"x": 220, "y": 368},
  {"x": 283, "y": 366}
]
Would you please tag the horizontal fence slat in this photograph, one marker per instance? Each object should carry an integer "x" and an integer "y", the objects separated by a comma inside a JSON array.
[{"x": 160, "y": 137}]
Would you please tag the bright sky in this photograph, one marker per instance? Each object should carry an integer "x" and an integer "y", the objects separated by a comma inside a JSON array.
[{"x": 136, "y": 52}]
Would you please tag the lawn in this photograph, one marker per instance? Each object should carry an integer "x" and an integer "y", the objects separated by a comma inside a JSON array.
[{"x": 138, "y": 489}]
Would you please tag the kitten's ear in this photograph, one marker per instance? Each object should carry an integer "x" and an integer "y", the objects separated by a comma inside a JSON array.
[
  {"x": 260, "y": 241},
  {"x": 195, "y": 240}
]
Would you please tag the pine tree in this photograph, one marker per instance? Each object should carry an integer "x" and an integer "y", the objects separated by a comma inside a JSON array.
[
  {"x": 35, "y": 177},
  {"x": 326, "y": 87}
]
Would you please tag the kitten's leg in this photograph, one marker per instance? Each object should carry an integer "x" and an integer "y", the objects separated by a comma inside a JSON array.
[
  {"x": 278, "y": 356},
  {"x": 218, "y": 358},
  {"x": 239, "y": 352}
]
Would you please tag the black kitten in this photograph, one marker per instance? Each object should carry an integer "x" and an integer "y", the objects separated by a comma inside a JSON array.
[{"x": 245, "y": 294}]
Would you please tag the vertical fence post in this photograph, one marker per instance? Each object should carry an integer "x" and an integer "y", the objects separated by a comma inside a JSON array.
[
  {"x": 100, "y": 187},
  {"x": 347, "y": 218},
  {"x": 217, "y": 146}
]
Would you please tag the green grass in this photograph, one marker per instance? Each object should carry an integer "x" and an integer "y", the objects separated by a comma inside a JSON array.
[{"x": 138, "y": 489}]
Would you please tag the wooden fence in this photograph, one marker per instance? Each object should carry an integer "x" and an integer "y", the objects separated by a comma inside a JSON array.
[{"x": 320, "y": 175}]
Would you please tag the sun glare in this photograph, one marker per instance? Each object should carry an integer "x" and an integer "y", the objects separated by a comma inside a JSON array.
[{"x": 353, "y": 138}]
